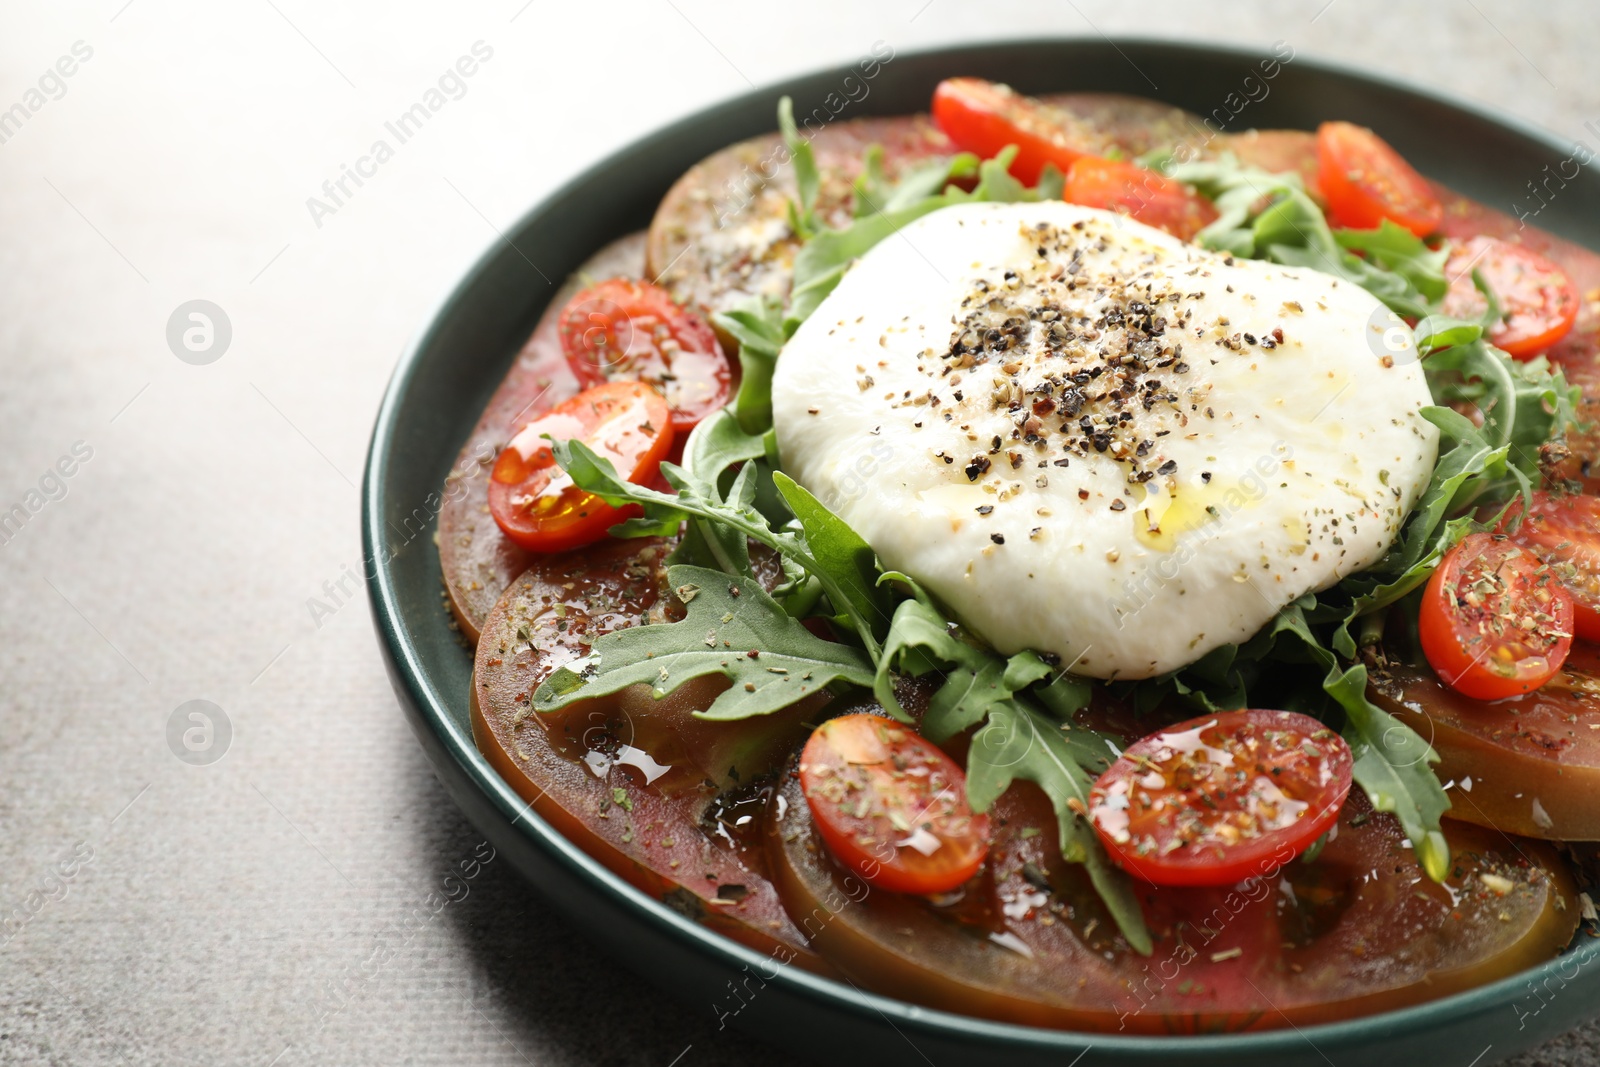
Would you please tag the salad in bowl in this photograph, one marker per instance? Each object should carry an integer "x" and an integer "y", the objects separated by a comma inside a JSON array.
[{"x": 1049, "y": 560}]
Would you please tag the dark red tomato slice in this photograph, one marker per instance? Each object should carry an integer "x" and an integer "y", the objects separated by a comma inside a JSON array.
[
  {"x": 1365, "y": 181},
  {"x": 983, "y": 117},
  {"x": 1223, "y": 798},
  {"x": 1139, "y": 193},
  {"x": 1538, "y": 303},
  {"x": 533, "y": 500},
  {"x": 891, "y": 806},
  {"x": 1564, "y": 531},
  {"x": 629, "y": 330},
  {"x": 1494, "y": 620}
]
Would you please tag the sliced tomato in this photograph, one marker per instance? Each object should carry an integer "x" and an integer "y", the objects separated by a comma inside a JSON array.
[
  {"x": 1528, "y": 764},
  {"x": 891, "y": 806},
  {"x": 533, "y": 500},
  {"x": 1494, "y": 620},
  {"x": 1564, "y": 531},
  {"x": 1362, "y": 930},
  {"x": 629, "y": 330},
  {"x": 1139, "y": 193},
  {"x": 1222, "y": 798},
  {"x": 1538, "y": 302},
  {"x": 983, "y": 117},
  {"x": 1365, "y": 181}
]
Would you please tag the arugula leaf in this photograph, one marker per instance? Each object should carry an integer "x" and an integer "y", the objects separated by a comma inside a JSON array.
[
  {"x": 1392, "y": 762},
  {"x": 876, "y": 195},
  {"x": 1525, "y": 403},
  {"x": 1019, "y": 742},
  {"x": 841, "y": 552},
  {"x": 1397, "y": 249},
  {"x": 664, "y": 512},
  {"x": 758, "y": 325},
  {"x": 808, "y": 182},
  {"x": 717, "y": 445},
  {"x": 1269, "y": 216},
  {"x": 1052, "y": 183},
  {"x": 1440, "y": 331},
  {"x": 921, "y": 641},
  {"x": 732, "y": 628}
]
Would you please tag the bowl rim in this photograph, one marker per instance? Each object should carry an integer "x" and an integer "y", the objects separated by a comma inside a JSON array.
[{"x": 409, "y": 670}]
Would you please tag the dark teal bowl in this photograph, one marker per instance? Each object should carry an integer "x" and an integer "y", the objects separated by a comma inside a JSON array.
[{"x": 445, "y": 378}]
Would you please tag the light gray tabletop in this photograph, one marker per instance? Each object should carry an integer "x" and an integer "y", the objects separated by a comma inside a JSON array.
[{"x": 312, "y": 897}]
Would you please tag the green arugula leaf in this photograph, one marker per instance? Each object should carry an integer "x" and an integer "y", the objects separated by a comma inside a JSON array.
[
  {"x": 841, "y": 552},
  {"x": 758, "y": 326},
  {"x": 1397, "y": 249},
  {"x": 697, "y": 499},
  {"x": 1434, "y": 332},
  {"x": 919, "y": 642},
  {"x": 1052, "y": 183},
  {"x": 1269, "y": 216},
  {"x": 717, "y": 445},
  {"x": 1064, "y": 696},
  {"x": 1016, "y": 741},
  {"x": 1392, "y": 762},
  {"x": 1019, "y": 742},
  {"x": 733, "y": 629},
  {"x": 876, "y": 195},
  {"x": 1525, "y": 403},
  {"x": 808, "y": 182}
]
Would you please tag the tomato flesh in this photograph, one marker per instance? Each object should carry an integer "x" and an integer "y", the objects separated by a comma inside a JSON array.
[
  {"x": 629, "y": 330},
  {"x": 1365, "y": 181},
  {"x": 1528, "y": 764},
  {"x": 1494, "y": 621},
  {"x": 1538, "y": 303},
  {"x": 891, "y": 806},
  {"x": 983, "y": 117},
  {"x": 1222, "y": 798},
  {"x": 533, "y": 500},
  {"x": 1564, "y": 531},
  {"x": 1140, "y": 193}
]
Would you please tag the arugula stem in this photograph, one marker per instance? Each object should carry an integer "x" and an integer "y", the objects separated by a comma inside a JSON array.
[{"x": 724, "y": 562}]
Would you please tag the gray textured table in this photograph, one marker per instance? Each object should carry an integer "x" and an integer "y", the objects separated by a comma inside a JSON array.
[{"x": 312, "y": 896}]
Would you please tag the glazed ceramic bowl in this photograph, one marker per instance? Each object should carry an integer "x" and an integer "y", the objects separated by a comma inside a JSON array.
[{"x": 444, "y": 380}]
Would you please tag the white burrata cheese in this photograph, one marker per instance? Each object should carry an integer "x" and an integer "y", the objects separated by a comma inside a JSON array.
[{"x": 1090, "y": 439}]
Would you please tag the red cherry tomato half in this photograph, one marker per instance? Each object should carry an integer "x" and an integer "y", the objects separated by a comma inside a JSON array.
[
  {"x": 1365, "y": 181},
  {"x": 1494, "y": 620},
  {"x": 983, "y": 117},
  {"x": 1139, "y": 193},
  {"x": 891, "y": 806},
  {"x": 1222, "y": 798},
  {"x": 1564, "y": 531},
  {"x": 626, "y": 330},
  {"x": 1538, "y": 303},
  {"x": 533, "y": 500}
]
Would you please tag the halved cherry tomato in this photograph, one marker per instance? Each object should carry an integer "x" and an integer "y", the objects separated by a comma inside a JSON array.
[
  {"x": 629, "y": 330},
  {"x": 1494, "y": 620},
  {"x": 1222, "y": 798},
  {"x": 1538, "y": 303},
  {"x": 1139, "y": 193},
  {"x": 891, "y": 806},
  {"x": 983, "y": 117},
  {"x": 1564, "y": 531},
  {"x": 534, "y": 501},
  {"x": 1365, "y": 181}
]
